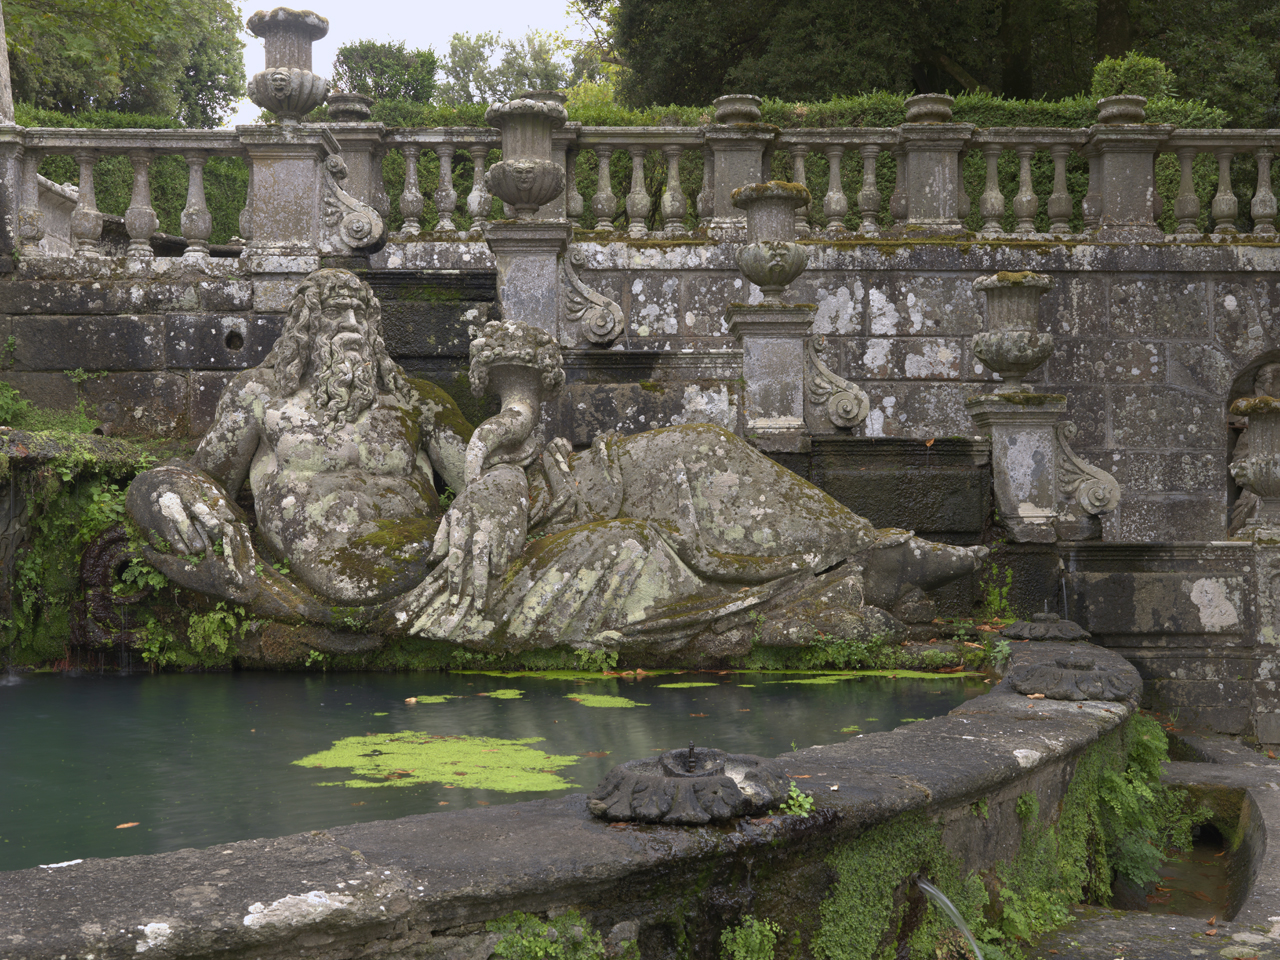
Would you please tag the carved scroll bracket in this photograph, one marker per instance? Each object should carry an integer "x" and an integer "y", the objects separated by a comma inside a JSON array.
[
  {"x": 601, "y": 318},
  {"x": 1094, "y": 490},
  {"x": 350, "y": 224},
  {"x": 831, "y": 402}
]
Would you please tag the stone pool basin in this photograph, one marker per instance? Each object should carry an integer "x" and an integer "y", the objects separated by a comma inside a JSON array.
[{"x": 423, "y": 886}]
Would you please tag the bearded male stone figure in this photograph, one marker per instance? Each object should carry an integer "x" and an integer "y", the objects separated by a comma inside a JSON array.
[{"x": 652, "y": 541}]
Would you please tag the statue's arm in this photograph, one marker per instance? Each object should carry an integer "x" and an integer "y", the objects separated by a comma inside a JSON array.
[
  {"x": 445, "y": 432},
  {"x": 190, "y": 504}
]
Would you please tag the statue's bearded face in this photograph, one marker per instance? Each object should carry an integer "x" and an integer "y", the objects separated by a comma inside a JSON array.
[{"x": 343, "y": 364}]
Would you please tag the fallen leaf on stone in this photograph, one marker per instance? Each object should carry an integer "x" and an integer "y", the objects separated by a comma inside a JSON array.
[
  {"x": 697, "y": 714},
  {"x": 482, "y": 803},
  {"x": 1211, "y": 933},
  {"x": 1212, "y": 921},
  {"x": 410, "y": 699},
  {"x": 442, "y": 803},
  {"x": 744, "y": 709},
  {"x": 835, "y": 786},
  {"x": 802, "y": 776},
  {"x": 1271, "y": 754},
  {"x": 970, "y": 643},
  {"x": 123, "y": 826},
  {"x": 1035, "y": 696}
]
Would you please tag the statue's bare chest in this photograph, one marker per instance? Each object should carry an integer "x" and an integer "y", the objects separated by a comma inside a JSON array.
[{"x": 382, "y": 441}]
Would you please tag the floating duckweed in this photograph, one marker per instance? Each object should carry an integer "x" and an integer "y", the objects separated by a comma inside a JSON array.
[
  {"x": 436, "y": 699},
  {"x": 504, "y": 694},
  {"x": 601, "y": 700},
  {"x": 403, "y": 759}
]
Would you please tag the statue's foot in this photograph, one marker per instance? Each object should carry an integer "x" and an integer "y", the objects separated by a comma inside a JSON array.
[{"x": 899, "y": 561}]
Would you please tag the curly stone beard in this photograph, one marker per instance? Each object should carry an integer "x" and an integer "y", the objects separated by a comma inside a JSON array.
[{"x": 344, "y": 381}]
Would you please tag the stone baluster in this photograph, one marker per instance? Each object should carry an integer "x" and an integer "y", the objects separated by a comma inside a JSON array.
[
  {"x": 963, "y": 203},
  {"x": 479, "y": 202},
  {"x": 1026, "y": 203},
  {"x": 573, "y": 199},
  {"x": 140, "y": 220},
  {"x": 835, "y": 205},
  {"x": 638, "y": 202},
  {"x": 798, "y": 152},
  {"x": 604, "y": 204},
  {"x": 991, "y": 203},
  {"x": 411, "y": 196},
  {"x": 378, "y": 198},
  {"x": 446, "y": 197},
  {"x": 1225, "y": 207},
  {"x": 1264, "y": 201},
  {"x": 30, "y": 219},
  {"x": 86, "y": 219},
  {"x": 898, "y": 206},
  {"x": 869, "y": 195},
  {"x": 1059, "y": 206},
  {"x": 707, "y": 195},
  {"x": 1091, "y": 205},
  {"x": 197, "y": 221},
  {"x": 1187, "y": 205},
  {"x": 674, "y": 204}
]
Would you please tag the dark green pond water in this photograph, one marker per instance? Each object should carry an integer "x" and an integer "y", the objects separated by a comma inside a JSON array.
[{"x": 196, "y": 760}]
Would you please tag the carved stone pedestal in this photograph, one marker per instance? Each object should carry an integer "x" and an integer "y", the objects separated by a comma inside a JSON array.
[
  {"x": 1044, "y": 492},
  {"x": 773, "y": 347},
  {"x": 528, "y": 258}
]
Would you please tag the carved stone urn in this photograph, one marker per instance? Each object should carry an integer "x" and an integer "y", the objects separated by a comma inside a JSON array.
[
  {"x": 1011, "y": 346},
  {"x": 349, "y": 107},
  {"x": 287, "y": 87},
  {"x": 771, "y": 258},
  {"x": 527, "y": 177},
  {"x": 737, "y": 108},
  {"x": 1122, "y": 108},
  {"x": 1259, "y": 472},
  {"x": 929, "y": 108}
]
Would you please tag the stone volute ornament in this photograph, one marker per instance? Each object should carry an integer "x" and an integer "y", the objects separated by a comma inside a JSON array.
[
  {"x": 601, "y": 318},
  {"x": 1259, "y": 471},
  {"x": 771, "y": 258},
  {"x": 689, "y": 787},
  {"x": 1011, "y": 346},
  {"x": 830, "y": 399},
  {"x": 350, "y": 224},
  {"x": 287, "y": 87},
  {"x": 527, "y": 176}
]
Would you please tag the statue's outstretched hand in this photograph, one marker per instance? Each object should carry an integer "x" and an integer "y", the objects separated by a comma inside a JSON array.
[
  {"x": 189, "y": 511},
  {"x": 483, "y": 532}
]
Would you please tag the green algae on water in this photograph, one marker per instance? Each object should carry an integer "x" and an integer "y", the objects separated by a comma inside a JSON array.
[
  {"x": 507, "y": 693},
  {"x": 441, "y": 698},
  {"x": 682, "y": 686},
  {"x": 601, "y": 700},
  {"x": 409, "y": 758}
]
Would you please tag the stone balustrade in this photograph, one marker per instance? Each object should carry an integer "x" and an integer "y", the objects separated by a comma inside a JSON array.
[
  {"x": 927, "y": 162},
  {"x": 28, "y": 147}
]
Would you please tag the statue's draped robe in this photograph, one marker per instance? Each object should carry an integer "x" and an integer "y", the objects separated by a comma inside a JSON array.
[{"x": 661, "y": 535}]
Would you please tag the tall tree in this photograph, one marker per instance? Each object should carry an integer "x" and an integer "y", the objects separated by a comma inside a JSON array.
[
  {"x": 486, "y": 68},
  {"x": 178, "y": 58},
  {"x": 385, "y": 71},
  {"x": 689, "y": 52}
]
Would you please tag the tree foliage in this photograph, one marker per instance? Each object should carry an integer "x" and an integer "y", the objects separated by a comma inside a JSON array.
[
  {"x": 175, "y": 58},
  {"x": 487, "y": 68},
  {"x": 689, "y": 52},
  {"x": 385, "y": 71}
]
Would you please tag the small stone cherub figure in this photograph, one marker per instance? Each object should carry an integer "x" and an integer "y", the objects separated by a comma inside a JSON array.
[{"x": 673, "y": 536}]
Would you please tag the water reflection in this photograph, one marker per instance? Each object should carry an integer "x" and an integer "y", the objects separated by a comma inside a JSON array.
[{"x": 198, "y": 760}]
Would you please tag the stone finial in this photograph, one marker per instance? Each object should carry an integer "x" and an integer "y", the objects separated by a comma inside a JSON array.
[
  {"x": 929, "y": 108},
  {"x": 1011, "y": 346},
  {"x": 287, "y": 87},
  {"x": 527, "y": 176},
  {"x": 737, "y": 108},
  {"x": 771, "y": 258},
  {"x": 1122, "y": 108}
]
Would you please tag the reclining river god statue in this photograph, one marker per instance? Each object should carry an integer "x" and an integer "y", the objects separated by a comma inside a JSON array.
[{"x": 676, "y": 536}]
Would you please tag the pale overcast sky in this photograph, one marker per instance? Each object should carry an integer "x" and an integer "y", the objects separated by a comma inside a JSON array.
[{"x": 419, "y": 24}]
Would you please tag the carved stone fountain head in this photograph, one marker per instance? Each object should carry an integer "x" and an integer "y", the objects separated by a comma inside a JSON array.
[
  {"x": 771, "y": 258},
  {"x": 1011, "y": 345}
]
